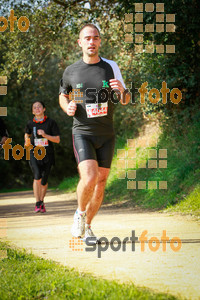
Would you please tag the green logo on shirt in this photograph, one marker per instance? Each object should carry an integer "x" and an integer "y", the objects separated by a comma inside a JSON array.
[
  {"x": 105, "y": 83},
  {"x": 79, "y": 85}
]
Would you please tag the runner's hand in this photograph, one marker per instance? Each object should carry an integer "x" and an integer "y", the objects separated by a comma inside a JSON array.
[
  {"x": 71, "y": 108},
  {"x": 116, "y": 84},
  {"x": 41, "y": 132}
]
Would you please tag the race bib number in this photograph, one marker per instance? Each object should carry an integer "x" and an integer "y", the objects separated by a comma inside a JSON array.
[
  {"x": 41, "y": 142},
  {"x": 97, "y": 110}
]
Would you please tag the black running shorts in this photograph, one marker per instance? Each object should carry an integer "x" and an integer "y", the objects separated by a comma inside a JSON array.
[
  {"x": 41, "y": 168},
  {"x": 99, "y": 148}
]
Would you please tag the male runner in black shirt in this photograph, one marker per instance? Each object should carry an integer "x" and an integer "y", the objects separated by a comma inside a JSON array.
[{"x": 93, "y": 134}]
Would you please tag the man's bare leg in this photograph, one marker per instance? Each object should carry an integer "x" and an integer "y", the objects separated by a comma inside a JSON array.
[
  {"x": 90, "y": 192},
  {"x": 97, "y": 198},
  {"x": 88, "y": 170}
]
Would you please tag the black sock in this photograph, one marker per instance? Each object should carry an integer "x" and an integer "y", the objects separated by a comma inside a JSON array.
[{"x": 38, "y": 203}]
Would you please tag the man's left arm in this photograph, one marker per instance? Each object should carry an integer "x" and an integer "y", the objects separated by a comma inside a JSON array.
[{"x": 118, "y": 83}]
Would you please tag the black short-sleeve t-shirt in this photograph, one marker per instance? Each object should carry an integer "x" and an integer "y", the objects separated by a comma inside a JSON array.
[
  {"x": 90, "y": 84},
  {"x": 49, "y": 126}
]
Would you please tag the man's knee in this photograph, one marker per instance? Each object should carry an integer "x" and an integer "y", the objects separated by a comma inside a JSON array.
[
  {"x": 88, "y": 171},
  {"x": 90, "y": 180}
]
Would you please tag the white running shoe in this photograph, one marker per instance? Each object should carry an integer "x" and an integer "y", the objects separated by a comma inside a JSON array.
[
  {"x": 78, "y": 227},
  {"x": 90, "y": 234}
]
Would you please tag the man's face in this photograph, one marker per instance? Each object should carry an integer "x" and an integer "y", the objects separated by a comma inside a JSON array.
[{"x": 89, "y": 41}]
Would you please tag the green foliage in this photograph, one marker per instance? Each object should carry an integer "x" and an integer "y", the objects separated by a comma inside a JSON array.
[
  {"x": 182, "y": 173},
  {"x": 69, "y": 184},
  {"x": 34, "y": 62},
  {"x": 25, "y": 276},
  {"x": 190, "y": 203},
  {"x": 180, "y": 70}
]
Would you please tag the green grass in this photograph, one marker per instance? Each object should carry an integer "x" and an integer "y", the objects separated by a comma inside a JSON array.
[
  {"x": 190, "y": 204},
  {"x": 25, "y": 276},
  {"x": 69, "y": 184},
  {"x": 182, "y": 173}
]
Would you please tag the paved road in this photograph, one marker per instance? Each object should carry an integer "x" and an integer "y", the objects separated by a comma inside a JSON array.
[{"x": 48, "y": 235}]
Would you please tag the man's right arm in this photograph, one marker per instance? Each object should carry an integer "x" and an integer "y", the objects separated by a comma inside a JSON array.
[
  {"x": 64, "y": 102},
  {"x": 69, "y": 107}
]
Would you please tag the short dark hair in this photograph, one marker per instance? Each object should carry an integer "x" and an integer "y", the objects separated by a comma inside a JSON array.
[
  {"x": 89, "y": 25},
  {"x": 41, "y": 102}
]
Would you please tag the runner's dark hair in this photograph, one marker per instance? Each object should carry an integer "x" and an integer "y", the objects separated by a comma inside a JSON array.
[{"x": 89, "y": 25}]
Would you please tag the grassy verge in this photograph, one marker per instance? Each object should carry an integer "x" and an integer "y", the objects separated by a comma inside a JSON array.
[
  {"x": 25, "y": 276},
  {"x": 69, "y": 184},
  {"x": 182, "y": 175},
  {"x": 190, "y": 204},
  {"x": 182, "y": 195}
]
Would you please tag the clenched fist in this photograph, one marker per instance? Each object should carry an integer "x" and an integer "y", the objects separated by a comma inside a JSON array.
[{"x": 71, "y": 108}]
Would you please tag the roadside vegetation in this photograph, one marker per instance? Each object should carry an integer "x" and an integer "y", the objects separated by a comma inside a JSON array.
[{"x": 25, "y": 276}]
